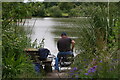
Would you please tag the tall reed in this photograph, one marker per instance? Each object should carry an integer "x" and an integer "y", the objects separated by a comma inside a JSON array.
[{"x": 98, "y": 44}]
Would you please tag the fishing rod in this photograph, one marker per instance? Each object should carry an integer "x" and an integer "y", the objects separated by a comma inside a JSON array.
[
  {"x": 43, "y": 38},
  {"x": 30, "y": 31},
  {"x": 33, "y": 26}
]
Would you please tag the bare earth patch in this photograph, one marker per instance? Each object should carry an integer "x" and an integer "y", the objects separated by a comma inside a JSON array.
[{"x": 62, "y": 74}]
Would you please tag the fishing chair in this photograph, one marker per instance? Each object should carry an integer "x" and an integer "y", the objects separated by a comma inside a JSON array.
[{"x": 65, "y": 60}]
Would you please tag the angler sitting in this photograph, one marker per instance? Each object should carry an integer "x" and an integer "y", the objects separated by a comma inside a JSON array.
[{"x": 64, "y": 48}]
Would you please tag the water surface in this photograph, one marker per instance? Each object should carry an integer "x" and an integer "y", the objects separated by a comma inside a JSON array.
[{"x": 51, "y": 28}]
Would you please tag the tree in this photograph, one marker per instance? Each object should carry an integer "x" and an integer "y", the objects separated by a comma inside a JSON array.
[
  {"x": 55, "y": 11},
  {"x": 75, "y": 12},
  {"x": 40, "y": 11},
  {"x": 66, "y": 6}
]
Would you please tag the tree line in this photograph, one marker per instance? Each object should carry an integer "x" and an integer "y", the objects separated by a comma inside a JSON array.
[
  {"x": 51, "y": 9},
  {"x": 66, "y": 9}
]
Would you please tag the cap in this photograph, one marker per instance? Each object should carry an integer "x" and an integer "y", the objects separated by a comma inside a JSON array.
[{"x": 63, "y": 33}]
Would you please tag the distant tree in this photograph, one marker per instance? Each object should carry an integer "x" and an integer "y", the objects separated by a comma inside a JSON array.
[
  {"x": 55, "y": 11},
  {"x": 66, "y": 6},
  {"x": 40, "y": 11},
  {"x": 77, "y": 3},
  {"x": 75, "y": 12},
  {"x": 15, "y": 12},
  {"x": 50, "y": 4}
]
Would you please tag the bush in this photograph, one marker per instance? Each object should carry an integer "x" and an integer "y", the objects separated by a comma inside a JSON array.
[
  {"x": 99, "y": 46},
  {"x": 75, "y": 12},
  {"x": 40, "y": 12},
  {"x": 15, "y": 40},
  {"x": 55, "y": 11},
  {"x": 15, "y": 62},
  {"x": 82, "y": 11}
]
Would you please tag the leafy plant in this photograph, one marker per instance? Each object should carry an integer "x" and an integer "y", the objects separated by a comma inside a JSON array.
[
  {"x": 98, "y": 42},
  {"x": 14, "y": 41}
]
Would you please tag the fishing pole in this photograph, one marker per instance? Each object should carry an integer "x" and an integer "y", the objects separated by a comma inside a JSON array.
[
  {"x": 33, "y": 26},
  {"x": 43, "y": 38},
  {"x": 30, "y": 32}
]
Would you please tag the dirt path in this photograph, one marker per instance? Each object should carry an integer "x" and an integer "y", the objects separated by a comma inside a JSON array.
[{"x": 62, "y": 74}]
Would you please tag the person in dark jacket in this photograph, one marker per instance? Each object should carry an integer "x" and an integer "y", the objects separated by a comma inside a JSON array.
[{"x": 65, "y": 46}]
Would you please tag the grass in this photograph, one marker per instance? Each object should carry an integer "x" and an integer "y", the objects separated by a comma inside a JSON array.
[{"x": 65, "y": 14}]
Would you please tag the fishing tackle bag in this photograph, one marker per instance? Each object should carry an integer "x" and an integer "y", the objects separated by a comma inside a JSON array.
[{"x": 43, "y": 53}]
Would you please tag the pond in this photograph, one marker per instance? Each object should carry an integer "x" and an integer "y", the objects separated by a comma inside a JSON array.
[{"x": 51, "y": 28}]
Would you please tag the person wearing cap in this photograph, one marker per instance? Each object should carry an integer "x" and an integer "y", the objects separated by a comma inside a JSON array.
[{"x": 65, "y": 46}]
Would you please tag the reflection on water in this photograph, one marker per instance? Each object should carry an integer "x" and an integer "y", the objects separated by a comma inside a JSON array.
[
  {"x": 51, "y": 28},
  {"x": 42, "y": 29}
]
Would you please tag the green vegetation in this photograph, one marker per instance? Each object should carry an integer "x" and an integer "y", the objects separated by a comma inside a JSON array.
[
  {"x": 98, "y": 43},
  {"x": 98, "y": 37},
  {"x": 55, "y": 11},
  {"x": 66, "y": 9},
  {"x": 98, "y": 40},
  {"x": 15, "y": 63}
]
